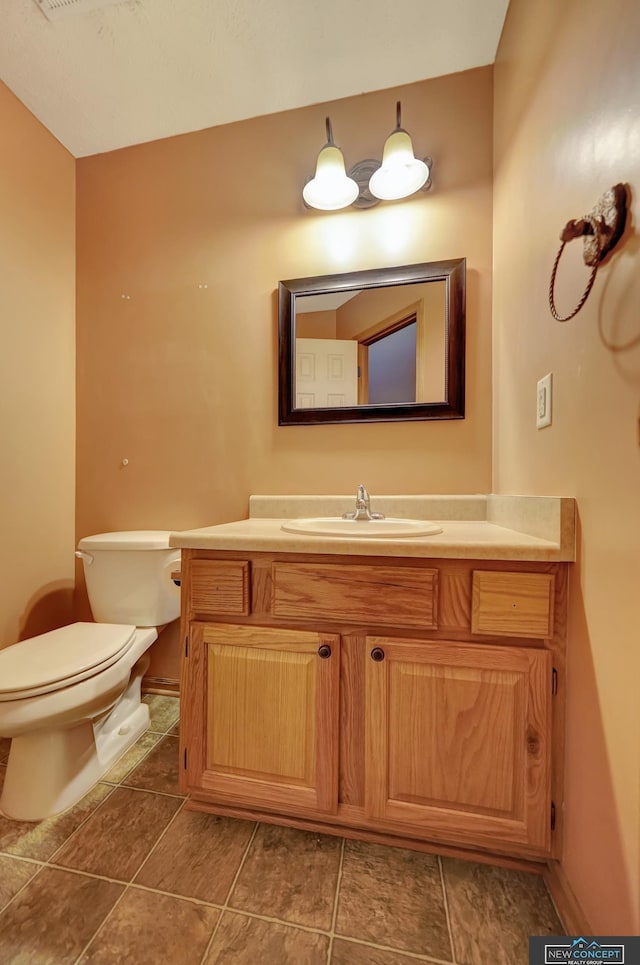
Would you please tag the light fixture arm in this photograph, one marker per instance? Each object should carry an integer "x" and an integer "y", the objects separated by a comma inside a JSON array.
[{"x": 327, "y": 122}]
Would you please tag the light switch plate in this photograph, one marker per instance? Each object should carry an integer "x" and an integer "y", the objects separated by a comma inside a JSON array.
[{"x": 543, "y": 402}]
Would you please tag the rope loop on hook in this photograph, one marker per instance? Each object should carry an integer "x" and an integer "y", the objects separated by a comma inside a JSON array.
[{"x": 596, "y": 234}]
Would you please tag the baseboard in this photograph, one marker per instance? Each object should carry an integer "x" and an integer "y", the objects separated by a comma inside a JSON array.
[
  {"x": 567, "y": 905},
  {"x": 164, "y": 686}
]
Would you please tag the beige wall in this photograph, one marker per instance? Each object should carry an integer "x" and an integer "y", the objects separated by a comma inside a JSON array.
[
  {"x": 37, "y": 438},
  {"x": 567, "y": 127},
  {"x": 316, "y": 324},
  {"x": 181, "y": 244},
  {"x": 181, "y": 379},
  {"x": 371, "y": 307}
]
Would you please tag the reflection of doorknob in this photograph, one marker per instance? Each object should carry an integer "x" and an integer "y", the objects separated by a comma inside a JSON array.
[{"x": 601, "y": 229}]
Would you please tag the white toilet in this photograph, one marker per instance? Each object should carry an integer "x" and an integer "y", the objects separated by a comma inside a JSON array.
[{"x": 70, "y": 699}]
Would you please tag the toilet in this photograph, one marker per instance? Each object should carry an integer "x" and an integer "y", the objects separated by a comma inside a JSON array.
[{"x": 71, "y": 699}]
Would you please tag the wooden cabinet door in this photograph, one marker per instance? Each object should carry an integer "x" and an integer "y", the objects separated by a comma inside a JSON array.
[
  {"x": 262, "y": 727},
  {"x": 458, "y": 741}
]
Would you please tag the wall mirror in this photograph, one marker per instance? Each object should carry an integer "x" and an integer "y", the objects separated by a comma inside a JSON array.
[{"x": 379, "y": 345}]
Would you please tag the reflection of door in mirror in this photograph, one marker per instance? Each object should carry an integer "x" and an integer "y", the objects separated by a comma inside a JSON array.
[
  {"x": 326, "y": 373},
  {"x": 397, "y": 336}
]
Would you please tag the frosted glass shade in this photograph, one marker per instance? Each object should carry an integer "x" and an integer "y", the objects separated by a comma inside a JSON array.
[
  {"x": 400, "y": 173},
  {"x": 330, "y": 189}
]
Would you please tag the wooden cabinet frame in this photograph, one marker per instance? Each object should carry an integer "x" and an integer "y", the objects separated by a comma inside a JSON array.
[{"x": 352, "y": 791}]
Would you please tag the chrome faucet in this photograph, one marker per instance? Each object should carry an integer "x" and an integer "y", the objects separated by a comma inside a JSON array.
[{"x": 363, "y": 507}]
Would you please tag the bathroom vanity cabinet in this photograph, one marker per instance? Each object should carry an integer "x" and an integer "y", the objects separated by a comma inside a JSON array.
[{"x": 405, "y": 700}]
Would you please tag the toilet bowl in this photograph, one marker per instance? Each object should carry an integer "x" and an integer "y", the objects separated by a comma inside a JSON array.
[{"x": 70, "y": 699}]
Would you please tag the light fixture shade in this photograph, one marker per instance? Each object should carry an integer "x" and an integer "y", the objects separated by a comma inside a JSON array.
[
  {"x": 400, "y": 173},
  {"x": 330, "y": 189}
]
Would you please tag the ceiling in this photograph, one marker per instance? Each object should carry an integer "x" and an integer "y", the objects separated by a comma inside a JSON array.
[{"x": 138, "y": 70}]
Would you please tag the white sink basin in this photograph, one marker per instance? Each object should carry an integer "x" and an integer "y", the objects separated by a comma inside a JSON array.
[{"x": 368, "y": 528}]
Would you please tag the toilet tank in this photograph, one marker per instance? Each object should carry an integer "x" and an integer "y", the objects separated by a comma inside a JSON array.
[{"x": 128, "y": 577}]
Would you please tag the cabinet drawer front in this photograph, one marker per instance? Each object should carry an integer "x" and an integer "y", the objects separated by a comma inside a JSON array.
[
  {"x": 404, "y": 596},
  {"x": 220, "y": 587},
  {"x": 512, "y": 604}
]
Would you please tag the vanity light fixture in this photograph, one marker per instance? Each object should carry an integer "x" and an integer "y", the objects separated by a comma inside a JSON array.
[
  {"x": 401, "y": 172},
  {"x": 330, "y": 189},
  {"x": 399, "y": 175}
]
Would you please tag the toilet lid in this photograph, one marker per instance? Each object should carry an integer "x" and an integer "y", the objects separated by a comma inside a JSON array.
[
  {"x": 137, "y": 539},
  {"x": 56, "y": 659}
]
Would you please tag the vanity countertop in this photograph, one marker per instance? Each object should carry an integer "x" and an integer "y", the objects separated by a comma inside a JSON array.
[{"x": 524, "y": 528}]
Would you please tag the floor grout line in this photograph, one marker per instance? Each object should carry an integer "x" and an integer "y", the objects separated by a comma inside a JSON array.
[
  {"x": 151, "y": 790},
  {"x": 277, "y": 921},
  {"x": 138, "y": 886},
  {"x": 149, "y": 730},
  {"x": 394, "y": 950},
  {"x": 132, "y": 886},
  {"x": 22, "y": 857},
  {"x": 113, "y": 787},
  {"x": 21, "y": 889},
  {"x": 83, "y": 822},
  {"x": 101, "y": 925},
  {"x": 120, "y": 881},
  {"x": 336, "y": 898},
  {"x": 298, "y": 926},
  {"x": 127, "y": 887},
  {"x": 122, "y": 781},
  {"x": 88, "y": 874},
  {"x": 137, "y": 763},
  {"x": 229, "y": 893},
  {"x": 446, "y": 911},
  {"x": 127, "y": 884},
  {"x": 158, "y": 840},
  {"x": 51, "y": 863}
]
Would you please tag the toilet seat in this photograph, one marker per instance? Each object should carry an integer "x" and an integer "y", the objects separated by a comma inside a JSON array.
[{"x": 61, "y": 657}]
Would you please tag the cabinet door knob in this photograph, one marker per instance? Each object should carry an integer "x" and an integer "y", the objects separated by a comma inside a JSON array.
[
  {"x": 324, "y": 651},
  {"x": 377, "y": 654}
]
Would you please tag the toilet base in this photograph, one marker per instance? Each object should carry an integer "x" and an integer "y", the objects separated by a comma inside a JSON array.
[{"x": 49, "y": 771}]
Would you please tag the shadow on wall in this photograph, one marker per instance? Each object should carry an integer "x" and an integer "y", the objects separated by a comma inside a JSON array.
[
  {"x": 165, "y": 658},
  {"x": 49, "y": 608},
  {"x": 618, "y": 320},
  {"x": 81, "y": 608},
  {"x": 589, "y": 791}
]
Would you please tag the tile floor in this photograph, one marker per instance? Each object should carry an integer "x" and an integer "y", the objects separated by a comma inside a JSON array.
[{"x": 130, "y": 876}]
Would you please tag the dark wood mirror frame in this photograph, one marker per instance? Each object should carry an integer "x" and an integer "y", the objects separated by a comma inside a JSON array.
[{"x": 452, "y": 272}]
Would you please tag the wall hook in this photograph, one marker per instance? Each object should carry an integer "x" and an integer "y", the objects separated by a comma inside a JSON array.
[{"x": 601, "y": 229}]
